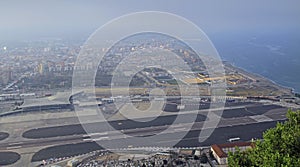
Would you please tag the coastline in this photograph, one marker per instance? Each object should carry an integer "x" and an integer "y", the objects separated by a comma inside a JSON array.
[{"x": 287, "y": 88}]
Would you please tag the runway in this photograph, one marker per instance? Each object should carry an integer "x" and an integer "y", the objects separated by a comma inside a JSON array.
[
  {"x": 76, "y": 129},
  {"x": 245, "y": 122},
  {"x": 220, "y": 135}
]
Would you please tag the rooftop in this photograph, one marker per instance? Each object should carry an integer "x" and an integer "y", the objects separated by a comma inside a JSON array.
[{"x": 218, "y": 148}]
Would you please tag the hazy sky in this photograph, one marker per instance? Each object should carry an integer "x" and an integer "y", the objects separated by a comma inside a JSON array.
[{"x": 46, "y": 18}]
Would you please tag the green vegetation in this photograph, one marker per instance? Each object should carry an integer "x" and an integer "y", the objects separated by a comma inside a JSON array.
[{"x": 280, "y": 146}]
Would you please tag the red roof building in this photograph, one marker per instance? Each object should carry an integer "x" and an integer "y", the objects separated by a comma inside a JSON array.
[{"x": 220, "y": 151}]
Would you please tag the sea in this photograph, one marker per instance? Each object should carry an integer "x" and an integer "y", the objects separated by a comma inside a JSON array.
[{"x": 273, "y": 55}]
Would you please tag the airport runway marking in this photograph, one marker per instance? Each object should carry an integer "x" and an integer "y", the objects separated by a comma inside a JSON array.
[
  {"x": 13, "y": 147},
  {"x": 17, "y": 143}
]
